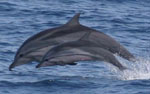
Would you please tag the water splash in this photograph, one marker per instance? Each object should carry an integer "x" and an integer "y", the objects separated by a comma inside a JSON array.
[{"x": 138, "y": 70}]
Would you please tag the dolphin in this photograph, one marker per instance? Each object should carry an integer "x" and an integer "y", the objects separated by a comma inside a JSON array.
[
  {"x": 35, "y": 47},
  {"x": 82, "y": 50}
]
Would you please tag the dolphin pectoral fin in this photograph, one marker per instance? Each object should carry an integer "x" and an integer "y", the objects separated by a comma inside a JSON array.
[
  {"x": 72, "y": 63},
  {"x": 38, "y": 66}
]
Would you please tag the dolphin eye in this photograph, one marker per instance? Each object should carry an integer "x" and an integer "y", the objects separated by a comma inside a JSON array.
[
  {"x": 46, "y": 59},
  {"x": 21, "y": 55}
]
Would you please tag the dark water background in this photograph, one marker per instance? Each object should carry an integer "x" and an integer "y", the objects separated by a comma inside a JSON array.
[{"x": 128, "y": 21}]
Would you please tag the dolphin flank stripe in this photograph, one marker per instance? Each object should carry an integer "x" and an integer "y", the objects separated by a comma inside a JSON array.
[
  {"x": 62, "y": 33},
  {"x": 82, "y": 59},
  {"x": 69, "y": 55},
  {"x": 36, "y": 36}
]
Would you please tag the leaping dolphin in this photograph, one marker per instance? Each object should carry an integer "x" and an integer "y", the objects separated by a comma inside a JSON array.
[
  {"x": 81, "y": 50},
  {"x": 34, "y": 48}
]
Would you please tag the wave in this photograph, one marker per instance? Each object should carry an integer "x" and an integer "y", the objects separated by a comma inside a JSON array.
[
  {"x": 139, "y": 70},
  {"x": 73, "y": 82},
  {"x": 10, "y": 84}
]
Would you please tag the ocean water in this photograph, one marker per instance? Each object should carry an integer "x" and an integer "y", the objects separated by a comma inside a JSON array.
[{"x": 127, "y": 21}]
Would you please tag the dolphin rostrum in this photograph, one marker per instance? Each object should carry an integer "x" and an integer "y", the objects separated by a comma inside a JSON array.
[
  {"x": 82, "y": 50},
  {"x": 34, "y": 48}
]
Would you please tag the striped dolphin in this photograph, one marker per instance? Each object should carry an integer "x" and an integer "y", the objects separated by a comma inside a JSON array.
[
  {"x": 34, "y": 48},
  {"x": 82, "y": 50}
]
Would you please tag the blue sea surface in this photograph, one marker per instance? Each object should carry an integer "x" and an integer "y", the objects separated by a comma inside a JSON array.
[{"x": 127, "y": 21}]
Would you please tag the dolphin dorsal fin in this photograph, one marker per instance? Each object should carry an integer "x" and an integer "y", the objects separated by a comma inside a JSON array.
[
  {"x": 85, "y": 37},
  {"x": 74, "y": 20}
]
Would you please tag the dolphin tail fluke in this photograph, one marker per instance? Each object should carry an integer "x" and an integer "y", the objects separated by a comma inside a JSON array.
[
  {"x": 122, "y": 68},
  {"x": 123, "y": 52},
  {"x": 116, "y": 63},
  {"x": 119, "y": 65}
]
